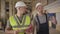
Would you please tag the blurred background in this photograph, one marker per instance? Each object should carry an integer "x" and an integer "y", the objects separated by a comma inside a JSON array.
[{"x": 51, "y": 7}]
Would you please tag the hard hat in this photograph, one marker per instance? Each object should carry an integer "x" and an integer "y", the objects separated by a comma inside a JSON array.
[
  {"x": 20, "y": 4},
  {"x": 38, "y": 4}
]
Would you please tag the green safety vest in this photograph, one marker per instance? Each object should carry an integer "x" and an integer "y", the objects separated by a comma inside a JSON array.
[{"x": 18, "y": 25}]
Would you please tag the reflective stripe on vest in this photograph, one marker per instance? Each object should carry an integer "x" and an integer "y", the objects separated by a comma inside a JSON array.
[{"x": 15, "y": 26}]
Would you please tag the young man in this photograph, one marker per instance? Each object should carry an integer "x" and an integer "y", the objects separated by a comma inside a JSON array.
[
  {"x": 40, "y": 20},
  {"x": 19, "y": 23}
]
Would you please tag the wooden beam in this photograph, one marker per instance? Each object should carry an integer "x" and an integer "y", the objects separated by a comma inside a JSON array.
[
  {"x": 10, "y": 7},
  {"x": 14, "y": 8},
  {"x": 2, "y": 8}
]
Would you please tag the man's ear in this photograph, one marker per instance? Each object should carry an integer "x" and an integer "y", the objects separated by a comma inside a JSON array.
[{"x": 18, "y": 8}]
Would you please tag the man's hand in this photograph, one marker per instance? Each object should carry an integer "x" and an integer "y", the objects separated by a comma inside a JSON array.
[
  {"x": 16, "y": 31},
  {"x": 29, "y": 32}
]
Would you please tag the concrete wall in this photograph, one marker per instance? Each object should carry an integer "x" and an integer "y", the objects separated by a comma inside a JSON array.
[
  {"x": 54, "y": 8},
  {"x": 58, "y": 21}
]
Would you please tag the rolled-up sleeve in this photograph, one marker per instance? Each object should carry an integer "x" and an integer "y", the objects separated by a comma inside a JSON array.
[{"x": 8, "y": 24}]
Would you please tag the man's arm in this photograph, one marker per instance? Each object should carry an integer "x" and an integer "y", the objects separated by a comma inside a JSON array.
[{"x": 8, "y": 29}]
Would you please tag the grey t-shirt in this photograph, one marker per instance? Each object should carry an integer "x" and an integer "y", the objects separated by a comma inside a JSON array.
[{"x": 42, "y": 19}]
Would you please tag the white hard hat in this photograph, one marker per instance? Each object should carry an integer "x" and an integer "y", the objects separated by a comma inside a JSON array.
[
  {"x": 20, "y": 4},
  {"x": 38, "y": 4}
]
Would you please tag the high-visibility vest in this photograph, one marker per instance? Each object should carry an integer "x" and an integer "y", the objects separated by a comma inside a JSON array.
[{"x": 18, "y": 25}]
